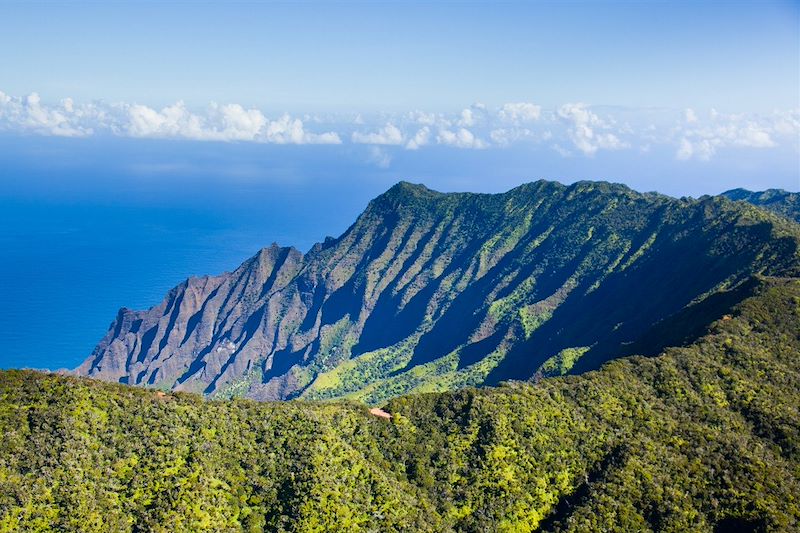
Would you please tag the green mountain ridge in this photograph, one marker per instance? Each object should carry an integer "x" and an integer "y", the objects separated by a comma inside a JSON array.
[
  {"x": 432, "y": 291},
  {"x": 699, "y": 437},
  {"x": 776, "y": 200}
]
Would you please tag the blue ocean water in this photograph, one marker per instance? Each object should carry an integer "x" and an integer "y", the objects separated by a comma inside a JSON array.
[{"x": 85, "y": 231}]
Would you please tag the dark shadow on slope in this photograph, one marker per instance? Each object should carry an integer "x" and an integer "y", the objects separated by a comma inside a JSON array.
[
  {"x": 248, "y": 330},
  {"x": 625, "y": 306},
  {"x": 690, "y": 323},
  {"x": 313, "y": 296},
  {"x": 282, "y": 361},
  {"x": 404, "y": 321},
  {"x": 741, "y": 525},
  {"x": 147, "y": 341},
  {"x": 390, "y": 322},
  {"x": 153, "y": 377},
  {"x": 194, "y": 320},
  {"x": 476, "y": 351},
  {"x": 173, "y": 317},
  {"x": 569, "y": 503},
  {"x": 345, "y": 301},
  {"x": 349, "y": 298},
  {"x": 118, "y": 322},
  {"x": 276, "y": 267},
  {"x": 173, "y": 295},
  {"x": 468, "y": 309},
  {"x": 196, "y": 365}
]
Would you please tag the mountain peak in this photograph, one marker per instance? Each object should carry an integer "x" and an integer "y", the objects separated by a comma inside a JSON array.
[
  {"x": 403, "y": 193},
  {"x": 406, "y": 188}
]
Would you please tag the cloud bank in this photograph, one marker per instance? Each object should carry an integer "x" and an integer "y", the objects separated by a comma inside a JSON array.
[
  {"x": 571, "y": 129},
  {"x": 229, "y": 122}
]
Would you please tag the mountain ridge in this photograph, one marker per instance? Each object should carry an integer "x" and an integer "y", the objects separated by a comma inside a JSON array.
[
  {"x": 779, "y": 201},
  {"x": 477, "y": 288}
]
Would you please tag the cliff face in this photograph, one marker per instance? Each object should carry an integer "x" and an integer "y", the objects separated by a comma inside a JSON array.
[
  {"x": 206, "y": 330},
  {"x": 432, "y": 291}
]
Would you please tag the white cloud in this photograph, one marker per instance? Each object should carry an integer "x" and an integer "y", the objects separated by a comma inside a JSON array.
[
  {"x": 389, "y": 134},
  {"x": 754, "y": 136},
  {"x": 572, "y": 128},
  {"x": 583, "y": 130},
  {"x": 520, "y": 112},
  {"x": 703, "y": 140},
  {"x": 508, "y": 136},
  {"x": 685, "y": 149},
  {"x": 461, "y": 138},
  {"x": 171, "y": 121},
  {"x": 329, "y": 137},
  {"x": 229, "y": 122},
  {"x": 467, "y": 118},
  {"x": 29, "y": 114},
  {"x": 422, "y": 118},
  {"x": 787, "y": 122},
  {"x": 563, "y": 152},
  {"x": 421, "y": 138},
  {"x": 288, "y": 130},
  {"x": 379, "y": 156},
  {"x": 240, "y": 124},
  {"x": 702, "y": 149},
  {"x": 472, "y": 116},
  {"x": 505, "y": 137}
]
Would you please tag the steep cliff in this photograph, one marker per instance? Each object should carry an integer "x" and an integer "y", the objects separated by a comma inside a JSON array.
[{"x": 433, "y": 291}]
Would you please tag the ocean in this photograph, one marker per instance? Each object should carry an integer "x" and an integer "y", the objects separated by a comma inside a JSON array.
[{"x": 83, "y": 238}]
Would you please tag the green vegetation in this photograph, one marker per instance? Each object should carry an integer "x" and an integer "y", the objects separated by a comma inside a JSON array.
[
  {"x": 703, "y": 437},
  {"x": 776, "y": 200},
  {"x": 562, "y": 362},
  {"x": 427, "y": 291}
]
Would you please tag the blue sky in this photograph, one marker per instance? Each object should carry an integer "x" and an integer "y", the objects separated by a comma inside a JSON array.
[
  {"x": 332, "y": 56},
  {"x": 617, "y": 90}
]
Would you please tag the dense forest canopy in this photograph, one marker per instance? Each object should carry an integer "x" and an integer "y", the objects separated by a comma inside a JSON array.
[{"x": 701, "y": 437}]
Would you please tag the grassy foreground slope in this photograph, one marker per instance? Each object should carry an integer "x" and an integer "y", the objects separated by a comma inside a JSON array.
[{"x": 701, "y": 438}]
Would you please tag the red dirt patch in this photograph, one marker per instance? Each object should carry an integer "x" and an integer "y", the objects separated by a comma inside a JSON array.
[{"x": 379, "y": 412}]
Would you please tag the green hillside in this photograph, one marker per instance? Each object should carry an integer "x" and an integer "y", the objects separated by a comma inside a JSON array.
[
  {"x": 430, "y": 292},
  {"x": 776, "y": 200},
  {"x": 704, "y": 437}
]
